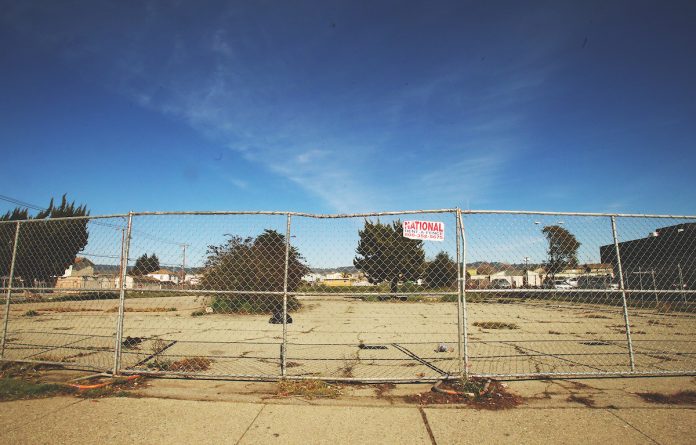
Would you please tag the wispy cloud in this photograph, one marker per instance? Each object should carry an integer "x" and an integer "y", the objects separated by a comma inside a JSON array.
[{"x": 354, "y": 138}]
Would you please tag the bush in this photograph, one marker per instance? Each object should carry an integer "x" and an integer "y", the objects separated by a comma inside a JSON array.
[
  {"x": 252, "y": 304},
  {"x": 88, "y": 296}
]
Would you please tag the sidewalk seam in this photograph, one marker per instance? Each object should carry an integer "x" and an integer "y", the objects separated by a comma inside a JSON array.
[
  {"x": 631, "y": 425},
  {"x": 250, "y": 424},
  {"x": 427, "y": 425},
  {"x": 44, "y": 414}
]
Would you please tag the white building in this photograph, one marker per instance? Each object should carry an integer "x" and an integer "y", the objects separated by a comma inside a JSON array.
[
  {"x": 312, "y": 278},
  {"x": 194, "y": 279},
  {"x": 165, "y": 275}
]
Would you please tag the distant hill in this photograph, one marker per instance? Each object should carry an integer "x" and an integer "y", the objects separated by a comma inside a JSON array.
[
  {"x": 343, "y": 269},
  {"x": 502, "y": 266}
]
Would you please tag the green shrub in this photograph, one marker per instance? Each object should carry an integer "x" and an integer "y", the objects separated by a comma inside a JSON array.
[
  {"x": 252, "y": 304},
  {"x": 87, "y": 296},
  {"x": 449, "y": 298},
  {"x": 14, "y": 389}
]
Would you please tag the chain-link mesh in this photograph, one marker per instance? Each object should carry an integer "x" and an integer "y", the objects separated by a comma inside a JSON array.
[
  {"x": 375, "y": 305},
  {"x": 544, "y": 296},
  {"x": 64, "y": 290},
  {"x": 201, "y": 292},
  {"x": 659, "y": 269},
  {"x": 355, "y": 297}
]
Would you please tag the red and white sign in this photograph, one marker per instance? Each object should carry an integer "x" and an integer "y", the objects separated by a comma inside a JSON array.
[{"x": 425, "y": 230}]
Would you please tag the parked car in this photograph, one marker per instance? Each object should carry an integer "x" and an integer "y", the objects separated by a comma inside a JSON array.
[
  {"x": 500, "y": 283},
  {"x": 573, "y": 282},
  {"x": 561, "y": 285}
]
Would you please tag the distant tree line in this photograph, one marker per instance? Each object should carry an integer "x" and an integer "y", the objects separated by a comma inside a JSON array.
[
  {"x": 385, "y": 255},
  {"x": 145, "y": 264}
]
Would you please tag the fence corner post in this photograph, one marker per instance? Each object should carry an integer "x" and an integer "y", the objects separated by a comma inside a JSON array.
[
  {"x": 463, "y": 338},
  {"x": 623, "y": 295},
  {"x": 125, "y": 246},
  {"x": 9, "y": 291}
]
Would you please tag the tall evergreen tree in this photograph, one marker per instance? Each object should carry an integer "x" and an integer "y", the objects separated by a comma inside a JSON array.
[
  {"x": 45, "y": 247},
  {"x": 385, "y": 255}
]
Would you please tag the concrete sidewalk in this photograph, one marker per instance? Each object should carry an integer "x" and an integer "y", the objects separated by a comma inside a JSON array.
[
  {"x": 126, "y": 420},
  {"x": 249, "y": 413}
]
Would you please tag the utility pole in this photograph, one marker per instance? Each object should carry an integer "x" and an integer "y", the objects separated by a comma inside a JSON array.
[
  {"x": 657, "y": 301},
  {"x": 525, "y": 279},
  {"x": 183, "y": 266}
]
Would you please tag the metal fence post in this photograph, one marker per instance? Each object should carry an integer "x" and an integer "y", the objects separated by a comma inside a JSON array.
[
  {"x": 9, "y": 291},
  {"x": 623, "y": 294},
  {"x": 125, "y": 245},
  {"x": 284, "y": 346},
  {"x": 463, "y": 319},
  {"x": 460, "y": 346}
]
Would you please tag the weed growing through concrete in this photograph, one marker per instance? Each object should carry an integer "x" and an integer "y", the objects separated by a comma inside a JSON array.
[
  {"x": 495, "y": 325},
  {"x": 309, "y": 389},
  {"x": 191, "y": 364},
  {"x": 16, "y": 389}
]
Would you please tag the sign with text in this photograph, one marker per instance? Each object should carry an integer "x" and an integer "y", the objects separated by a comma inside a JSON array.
[{"x": 425, "y": 230}]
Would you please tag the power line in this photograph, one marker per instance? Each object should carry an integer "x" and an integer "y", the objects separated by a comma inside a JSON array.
[{"x": 21, "y": 203}]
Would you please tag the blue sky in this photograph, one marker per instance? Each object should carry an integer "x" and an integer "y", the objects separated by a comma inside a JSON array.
[{"x": 350, "y": 106}]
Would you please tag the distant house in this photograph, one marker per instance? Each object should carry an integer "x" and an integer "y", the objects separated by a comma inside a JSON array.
[
  {"x": 81, "y": 267},
  {"x": 312, "y": 278},
  {"x": 193, "y": 279},
  {"x": 517, "y": 278},
  {"x": 139, "y": 282},
  {"x": 165, "y": 276},
  {"x": 81, "y": 275}
]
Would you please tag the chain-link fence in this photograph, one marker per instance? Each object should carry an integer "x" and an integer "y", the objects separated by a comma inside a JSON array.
[{"x": 392, "y": 296}]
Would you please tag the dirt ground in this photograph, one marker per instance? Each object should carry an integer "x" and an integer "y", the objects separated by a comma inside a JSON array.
[{"x": 347, "y": 337}]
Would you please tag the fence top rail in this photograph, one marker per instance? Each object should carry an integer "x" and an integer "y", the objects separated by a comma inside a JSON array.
[
  {"x": 351, "y": 215},
  {"x": 235, "y": 212},
  {"x": 66, "y": 218},
  {"x": 595, "y": 214}
]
